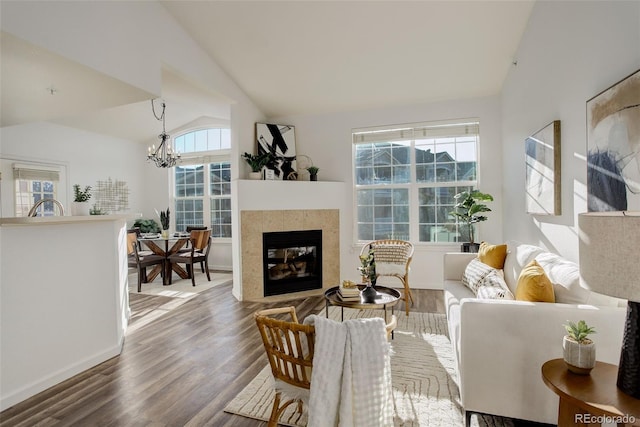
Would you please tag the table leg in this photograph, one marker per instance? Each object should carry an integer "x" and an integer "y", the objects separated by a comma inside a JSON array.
[
  {"x": 326, "y": 308},
  {"x": 570, "y": 415}
]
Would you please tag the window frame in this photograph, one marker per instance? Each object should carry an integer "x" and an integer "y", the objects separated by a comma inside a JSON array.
[
  {"x": 408, "y": 133},
  {"x": 205, "y": 159}
]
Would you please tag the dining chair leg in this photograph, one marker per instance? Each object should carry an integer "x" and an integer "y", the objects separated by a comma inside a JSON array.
[
  {"x": 206, "y": 269},
  {"x": 193, "y": 275},
  {"x": 139, "y": 279}
]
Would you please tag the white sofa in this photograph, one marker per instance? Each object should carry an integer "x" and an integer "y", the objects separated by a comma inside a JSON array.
[{"x": 500, "y": 345}]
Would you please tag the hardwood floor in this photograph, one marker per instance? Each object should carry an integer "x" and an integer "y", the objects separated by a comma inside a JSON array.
[{"x": 179, "y": 370}]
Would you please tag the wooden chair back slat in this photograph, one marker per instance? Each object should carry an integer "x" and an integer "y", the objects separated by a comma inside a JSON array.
[
  {"x": 289, "y": 346},
  {"x": 200, "y": 239}
]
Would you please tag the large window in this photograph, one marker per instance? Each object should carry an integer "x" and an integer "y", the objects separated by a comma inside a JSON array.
[
  {"x": 32, "y": 184},
  {"x": 406, "y": 177},
  {"x": 203, "y": 181}
]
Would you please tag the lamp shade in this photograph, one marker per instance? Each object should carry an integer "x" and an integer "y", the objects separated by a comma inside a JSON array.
[{"x": 610, "y": 253}]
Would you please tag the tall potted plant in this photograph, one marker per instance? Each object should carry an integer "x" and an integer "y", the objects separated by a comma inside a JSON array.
[
  {"x": 256, "y": 162},
  {"x": 81, "y": 198},
  {"x": 469, "y": 209}
]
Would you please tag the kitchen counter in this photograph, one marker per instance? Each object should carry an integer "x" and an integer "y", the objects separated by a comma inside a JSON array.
[{"x": 64, "y": 303}]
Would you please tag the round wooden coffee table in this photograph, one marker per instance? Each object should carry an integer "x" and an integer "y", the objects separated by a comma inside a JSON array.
[{"x": 386, "y": 297}]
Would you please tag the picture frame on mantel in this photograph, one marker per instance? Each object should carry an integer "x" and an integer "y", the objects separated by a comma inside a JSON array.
[
  {"x": 543, "y": 171},
  {"x": 280, "y": 141},
  {"x": 613, "y": 147}
]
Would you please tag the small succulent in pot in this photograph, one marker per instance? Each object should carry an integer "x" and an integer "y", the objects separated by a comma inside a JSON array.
[
  {"x": 579, "y": 350},
  {"x": 313, "y": 172}
]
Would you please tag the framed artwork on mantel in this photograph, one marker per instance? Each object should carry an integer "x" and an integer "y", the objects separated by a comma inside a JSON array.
[
  {"x": 543, "y": 173},
  {"x": 280, "y": 141},
  {"x": 613, "y": 147}
]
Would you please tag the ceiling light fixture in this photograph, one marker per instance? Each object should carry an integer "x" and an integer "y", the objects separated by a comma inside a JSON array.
[{"x": 164, "y": 156}]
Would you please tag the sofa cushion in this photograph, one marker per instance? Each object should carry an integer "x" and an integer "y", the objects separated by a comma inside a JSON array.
[
  {"x": 474, "y": 273},
  {"x": 493, "y": 286},
  {"x": 492, "y": 255},
  {"x": 534, "y": 285},
  {"x": 518, "y": 255}
]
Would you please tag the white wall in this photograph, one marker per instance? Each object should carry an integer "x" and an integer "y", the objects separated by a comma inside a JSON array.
[
  {"x": 135, "y": 53},
  {"x": 327, "y": 140},
  {"x": 89, "y": 157},
  {"x": 570, "y": 52}
]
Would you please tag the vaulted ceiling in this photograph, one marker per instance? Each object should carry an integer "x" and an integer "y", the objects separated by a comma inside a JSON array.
[
  {"x": 309, "y": 57},
  {"x": 290, "y": 58}
]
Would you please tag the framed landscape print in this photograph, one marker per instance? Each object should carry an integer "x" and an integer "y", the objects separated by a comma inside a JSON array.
[
  {"x": 280, "y": 141},
  {"x": 542, "y": 166},
  {"x": 613, "y": 147}
]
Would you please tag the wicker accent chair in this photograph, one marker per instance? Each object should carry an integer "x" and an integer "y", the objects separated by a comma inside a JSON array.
[
  {"x": 290, "y": 348},
  {"x": 140, "y": 260},
  {"x": 198, "y": 254},
  {"x": 392, "y": 258}
]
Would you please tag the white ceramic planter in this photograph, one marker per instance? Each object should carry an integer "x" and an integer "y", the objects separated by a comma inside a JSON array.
[
  {"x": 255, "y": 175},
  {"x": 80, "y": 208},
  {"x": 579, "y": 358}
]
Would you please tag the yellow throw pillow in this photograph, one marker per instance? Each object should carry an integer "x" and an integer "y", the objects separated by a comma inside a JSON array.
[
  {"x": 493, "y": 255},
  {"x": 534, "y": 285}
]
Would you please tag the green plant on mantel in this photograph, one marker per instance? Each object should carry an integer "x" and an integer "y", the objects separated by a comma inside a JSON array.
[
  {"x": 258, "y": 161},
  {"x": 313, "y": 170},
  {"x": 81, "y": 195}
]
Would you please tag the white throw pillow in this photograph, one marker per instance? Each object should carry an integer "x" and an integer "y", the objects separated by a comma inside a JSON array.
[
  {"x": 474, "y": 273},
  {"x": 493, "y": 286}
]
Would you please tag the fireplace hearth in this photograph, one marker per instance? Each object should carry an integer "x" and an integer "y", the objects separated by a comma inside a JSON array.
[{"x": 292, "y": 261}]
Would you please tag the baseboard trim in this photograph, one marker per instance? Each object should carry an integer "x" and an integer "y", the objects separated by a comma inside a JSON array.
[{"x": 30, "y": 390}]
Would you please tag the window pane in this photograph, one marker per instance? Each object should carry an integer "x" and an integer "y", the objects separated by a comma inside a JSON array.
[{"x": 429, "y": 167}]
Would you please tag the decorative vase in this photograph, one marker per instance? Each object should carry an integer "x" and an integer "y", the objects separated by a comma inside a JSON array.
[
  {"x": 165, "y": 234},
  {"x": 369, "y": 294},
  {"x": 579, "y": 358},
  {"x": 80, "y": 208},
  {"x": 255, "y": 175}
]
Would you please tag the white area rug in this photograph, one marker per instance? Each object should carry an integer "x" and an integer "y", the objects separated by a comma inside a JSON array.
[
  {"x": 180, "y": 288},
  {"x": 422, "y": 365}
]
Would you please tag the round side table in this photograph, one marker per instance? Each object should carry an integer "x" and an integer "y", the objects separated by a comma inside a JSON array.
[{"x": 589, "y": 400}]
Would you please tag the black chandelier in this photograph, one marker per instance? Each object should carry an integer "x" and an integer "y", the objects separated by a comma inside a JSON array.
[{"x": 164, "y": 156}]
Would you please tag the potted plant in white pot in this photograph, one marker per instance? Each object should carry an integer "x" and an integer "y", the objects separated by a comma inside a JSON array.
[
  {"x": 80, "y": 205},
  {"x": 256, "y": 162},
  {"x": 578, "y": 350},
  {"x": 468, "y": 209}
]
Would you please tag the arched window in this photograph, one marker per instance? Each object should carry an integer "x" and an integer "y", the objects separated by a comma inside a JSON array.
[{"x": 202, "y": 181}]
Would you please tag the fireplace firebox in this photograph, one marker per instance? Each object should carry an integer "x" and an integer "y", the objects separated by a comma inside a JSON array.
[{"x": 292, "y": 261}]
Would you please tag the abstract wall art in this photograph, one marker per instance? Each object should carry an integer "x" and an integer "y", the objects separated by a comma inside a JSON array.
[
  {"x": 280, "y": 141},
  {"x": 613, "y": 147},
  {"x": 542, "y": 165}
]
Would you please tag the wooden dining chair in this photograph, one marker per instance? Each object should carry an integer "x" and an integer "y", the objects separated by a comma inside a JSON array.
[
  {"x": 198, "y": 254},
  {"x": 138, "y": 260},
  {"x": 191, "y": 228},
  {"x": 392, "y": 258}
]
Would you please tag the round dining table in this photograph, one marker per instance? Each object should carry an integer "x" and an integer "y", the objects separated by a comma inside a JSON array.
[{"x": 160, "y": 246}]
